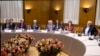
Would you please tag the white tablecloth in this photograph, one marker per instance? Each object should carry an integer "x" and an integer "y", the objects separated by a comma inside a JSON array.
[{"x": 92, "y": 48}]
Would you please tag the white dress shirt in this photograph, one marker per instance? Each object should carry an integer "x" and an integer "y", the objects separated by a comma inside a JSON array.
[{"x": 86, "y": 30}]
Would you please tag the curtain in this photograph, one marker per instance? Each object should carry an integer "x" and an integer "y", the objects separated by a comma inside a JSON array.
[
  {"x": 97, "y": 21},
  {"x": 71, "y": 11},
  {"x": 11, "y": 10}
]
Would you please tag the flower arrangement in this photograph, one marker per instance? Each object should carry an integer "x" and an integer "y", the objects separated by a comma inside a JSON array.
[
  {"x": 25, "y": 36},
  {"x": 17, "y": 46},
  {"x": 49, "y": 47}
]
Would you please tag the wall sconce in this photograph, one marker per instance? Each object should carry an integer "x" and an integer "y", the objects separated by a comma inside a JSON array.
[
  {"x": 28, "y": 10},
  {"x": 56, "y": 11},
  {"x": 85, "y": 10}
]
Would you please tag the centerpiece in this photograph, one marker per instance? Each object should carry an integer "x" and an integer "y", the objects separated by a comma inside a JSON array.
[
  {"x": 49, "y": 47},
  {"x": 17, "y": 46}
]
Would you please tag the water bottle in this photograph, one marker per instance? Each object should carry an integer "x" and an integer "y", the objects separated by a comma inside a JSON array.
[
  {"x": 90, "y": 36},
  {"x": 98, "y": 40}
]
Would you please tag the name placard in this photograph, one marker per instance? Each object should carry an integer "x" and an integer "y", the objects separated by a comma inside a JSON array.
[
  {"x": 18, "y": 30},
  {"x": 58, "y": 32},
  {"x": 29, "y": 30},
  {"x": 7, "y": 30},
  {"x": 44, "y": 31}
]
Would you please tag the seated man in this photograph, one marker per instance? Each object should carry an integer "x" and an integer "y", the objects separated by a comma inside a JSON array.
[
  {"x": 50, "y": 26},
  {"x": 21, "y": 25},
  {"x": 6, "y": 25},
  {"x": 57, "y": 25},
  {"x": 34, "y": 25},
  {"x": 90, "y": 29},
  {"x": 62, "y": 26},
  {"x": 0, "y": 27},
  {"x": 12, "y": 25}
]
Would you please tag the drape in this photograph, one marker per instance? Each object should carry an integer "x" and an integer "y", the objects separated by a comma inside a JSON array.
[
  {"x": 11, "y": 10},
  {"x": 71, "y": 11},
  {"x": 97, "y": 21}
]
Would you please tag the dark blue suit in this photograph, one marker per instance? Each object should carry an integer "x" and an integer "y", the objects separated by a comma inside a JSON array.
[
  {"x": 4, "y": 26},
  {"x": 0, "y": 27},
  {"x": 57, "y": 26},
  {"x": 92, "y": 30},
  {"x": 12, "y": 26},
  {"x": 21, "y": 25},
  {"x": 35, "y": 26}
]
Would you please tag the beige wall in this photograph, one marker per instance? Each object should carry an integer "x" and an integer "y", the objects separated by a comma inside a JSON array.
[
  {"x": 44, "y": 10},
  {"x": 39, "y": 10},
  {"x": 90, "y": 15},
  {"x": 57, "y": 4}
]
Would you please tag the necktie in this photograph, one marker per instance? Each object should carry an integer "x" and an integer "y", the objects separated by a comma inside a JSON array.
[
  {"x": 57, "y": 26},
  {"x": 7, "y": 25},
  {"x": 34, "y": 26},
  {"x": 50, "y": 27},
  {"x": 21, "y": 25}
]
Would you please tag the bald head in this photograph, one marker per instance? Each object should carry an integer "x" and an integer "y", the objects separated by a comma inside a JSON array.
[
  {"x": 89, "y": 23},
  {"x": 50, "y": 21},
  {"x": 34, "y": 21}
]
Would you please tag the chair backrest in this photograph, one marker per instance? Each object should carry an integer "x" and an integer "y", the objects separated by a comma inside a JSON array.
[{"x": 78, "y": 29}]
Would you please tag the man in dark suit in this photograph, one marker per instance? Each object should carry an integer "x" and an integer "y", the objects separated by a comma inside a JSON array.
[
  {"x": 62, "y": 26},
  {"x": 6, "y": 25},
  {"x": 50, "y": 26},
  {"x": 0, "y": 27},
  {"x": 34, "y": 25},
  {"x": 12, "y": 25},
  {"x": 21, "y": 25},
  {"x": 90, "y": 29},
  {"x": 57, "y": 25}
]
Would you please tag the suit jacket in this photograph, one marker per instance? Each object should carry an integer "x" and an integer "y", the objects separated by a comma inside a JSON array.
[
  {"x": 48, "y": 27},
  {"x": 12, "y": 26},
  {"x": 92, "y": 30},
  {"x": 23, "y": 26},
  {"x": 35, "y": 26},
  {"x": 57, "y": 26},
  {"x": 62, "y": 26},
  {"x": 4, "y": 26},
  {"x": 0, "y": 28}
]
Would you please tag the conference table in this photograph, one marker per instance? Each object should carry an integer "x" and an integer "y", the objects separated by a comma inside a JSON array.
[{"x": 74, "y": 45}]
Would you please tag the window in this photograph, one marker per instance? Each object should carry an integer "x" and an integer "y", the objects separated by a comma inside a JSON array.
[
  {"x": 71, "y": 11},
  {"x": 11, "y": 10},
  {"x": 97, "y": 21}
]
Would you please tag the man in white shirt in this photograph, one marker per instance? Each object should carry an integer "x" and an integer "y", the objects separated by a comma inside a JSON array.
[
  {"x": 90, "y": 29},
  {"x": 89, "y": 23}
]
